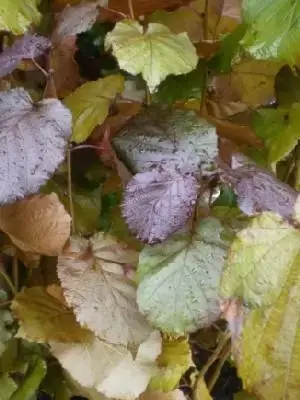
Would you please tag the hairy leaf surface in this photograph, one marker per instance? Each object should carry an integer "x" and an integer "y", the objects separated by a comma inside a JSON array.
[
  {"x": 178, "y": 289},
  {"x": 92, "y": 275},
  {"x": 32, "y": 142},
  {"x": 156, "y": 204},
  {"x": 155, "y": 53}
]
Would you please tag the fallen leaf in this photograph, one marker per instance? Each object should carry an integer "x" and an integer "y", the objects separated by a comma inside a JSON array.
[
  {"x": 29, "y": 46},
  {"x": 156, "y": 204},
  {"x": 38, "y": 224},
  {"x": 17, "y": 16},
  {"x": 66, "y": 71},
  {"x": 33, "y": 138},
  {"x": 141, "y": 52},
  {"x": 187, "y": 263},
  {"x": 90, "y": 103},
  {"x": 106, "y": 364},
  {"x": 95, "y": 285},
  {"x": 43, "y": 318}
]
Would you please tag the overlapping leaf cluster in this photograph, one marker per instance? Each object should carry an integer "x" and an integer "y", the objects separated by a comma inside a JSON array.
[{"x": 150, "y": 178}]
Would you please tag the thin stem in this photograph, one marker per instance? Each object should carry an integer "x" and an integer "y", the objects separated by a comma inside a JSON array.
[
  {"x": 39, "y": 67},
  {"x": 131, "y": 10},
  {"x": 205, "y": 72},
  {"x": 15, "y": 270},
  {"x": 86, "y": 146},
  {"x": 8, "y": 281},
  {"x": 71, "y": 206},
  {"x": 205, "y": 22},
  {"x": 218, "y": 369}
]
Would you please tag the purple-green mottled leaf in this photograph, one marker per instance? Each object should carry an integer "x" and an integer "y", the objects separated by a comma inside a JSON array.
[
  {"x": 29, "y": 46},
  {"x": 156, "y": 204}
]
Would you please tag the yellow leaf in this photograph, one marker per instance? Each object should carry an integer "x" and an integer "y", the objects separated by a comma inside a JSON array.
[
  {"x": 17, "y": 15},
  {"x": 155, "y": 53},
  {"x": 173, "y": 362},
  {"x": 156, "y": 395},
  {"x": 38, "y": 224},
  {"x": 201, "y": 392},
  {"x": 93, "y": 276},
  {"x": 43, "y": 318},
  {"x": 90, "y": 103}
]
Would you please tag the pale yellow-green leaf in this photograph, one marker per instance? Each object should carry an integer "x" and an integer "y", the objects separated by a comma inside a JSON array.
[
  {"x": 7, "y": 387},
  {"x": 155, "y": 53},
  {"x": 17, "y": 15},
  {"x": 173, "y": 362},
  {"x": 90, "y": 103},
  {"x": 200, "y": 391},
  {"x": 43, "y": 318},
  {"x": 110, "y": 369},
  {"x": 38, "y": 224},
  {"x": 156, "y": 395},
  {"x": 92, "y": 274},
  {"x": 260, "y": 260},
  {"x": 269, "y": 349}
]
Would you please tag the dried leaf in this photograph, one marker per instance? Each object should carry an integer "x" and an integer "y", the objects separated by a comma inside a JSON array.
[
  {"x": 95, "y": 285},
  {"x": 258, "y": 190},
  {"x": 90, "y": 103},
  {"x": 29, "y": 46},
  {"x": 39, "y": 224},
  {"x": 17, "y": 15},
  {"x": 43, "y": 318},
  {"x": 145, "y": 52},
  {"x": 156, "y": 204},
  {"x": 33, "y": 139}
]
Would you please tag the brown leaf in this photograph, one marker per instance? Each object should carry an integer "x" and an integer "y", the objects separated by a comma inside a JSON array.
[
  {"x": 37, "y": 224},
  {"x": 66, "y": 71},
  {"x": 141, "y": 7}
]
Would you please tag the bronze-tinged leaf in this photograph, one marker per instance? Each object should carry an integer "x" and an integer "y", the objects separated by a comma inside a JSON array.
[{"x": 38, "y": 224}]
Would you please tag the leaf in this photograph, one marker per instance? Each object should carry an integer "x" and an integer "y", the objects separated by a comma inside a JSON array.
[
  {"x": 279, "y": 130},
  {"x": 6, "y": 331},
  {"x": 156, "y": 204},
  {"x": 156, "y": 395},
  {"x": 182, "y": 87},
  {"x": 90, "y": 103},
  {"x": 169, "y": 139},
  {"x": 29, "y": 46},
  {"x": 110, "y": 368},
  {"x": 32, "y": 380},
  {"x": 267, "y": 37},
  {"x": 269, "y": 356},
  {"x": 94, "y": 283},
  {"x": 43, "y": 318},
  {"x": 39, "y": 224},
  {"x": 173, "y": 362},
  {"x": 244, "y": 396},
  {"x": 201, "y": 392},
  {"x": 8, "y": 386},
  {"x": 33, "y": 139},
  {"x": 155, "y": 54},
  {"x": 287, "y": 86},
  {"x": 17, "y": 15},
  {"x": 76, "y": 19},
  {"x": 178, "y": 279},
  {"x": 260, "y": 260},
  {"x": 258, "y": 190}
]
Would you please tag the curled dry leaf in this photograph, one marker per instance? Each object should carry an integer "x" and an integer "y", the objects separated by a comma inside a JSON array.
[
  {"x": 33, "y": 139},
  {"x": 38, "y": 224},
  {"x": 110, "y": 368},
  {"x": 43, "y": 318},
  {"x": 29, "y": 46},
  {"x": 156, "y": 204},
  {"x": 259, "y": 190},
  {"x": 92, "y": 276}
]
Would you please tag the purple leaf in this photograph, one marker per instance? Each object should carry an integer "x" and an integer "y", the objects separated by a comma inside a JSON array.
[
  {"x": 156, "y": 204},
  {"x": 257, "y": 189},
  {"x": 29, "y": 46}
]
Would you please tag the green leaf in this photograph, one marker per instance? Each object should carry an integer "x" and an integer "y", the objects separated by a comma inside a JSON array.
[
  {"x": 17, "y": 15},
  {"x": 287, "y": 86},
  {"x": 181, "y": 87},
  {"x": 7, "y": 387},
  {"x": 90, "y": 103},
  {"x": 260, "y": 260},
  {"x": 179, "y": 278},
  {"x": 244, "y": 396},
  {"x": 273, "y": 29},
  {"x": 279, "y": 129},
  {"x": 268, "y": 360},
  {"x": 173, "y": 362},
  {"x": 34, "y": 376},
  {"x": 155, "y": 53}
]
